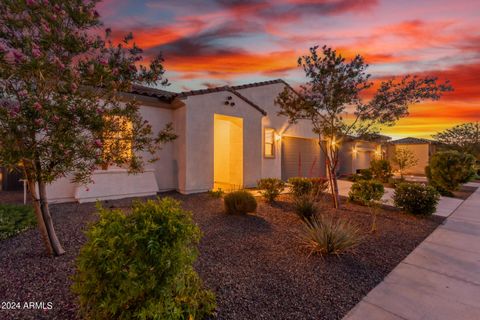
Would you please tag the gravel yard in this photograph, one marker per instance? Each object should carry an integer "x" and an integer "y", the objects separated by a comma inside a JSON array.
[{"x": 253, "y": 263}]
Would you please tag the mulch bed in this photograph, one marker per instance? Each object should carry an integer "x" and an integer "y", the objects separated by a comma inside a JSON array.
[{"x": 253, "y": 263}]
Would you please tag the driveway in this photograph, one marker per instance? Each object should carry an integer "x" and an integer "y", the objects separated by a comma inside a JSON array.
[{"x": 445, "y": 206}]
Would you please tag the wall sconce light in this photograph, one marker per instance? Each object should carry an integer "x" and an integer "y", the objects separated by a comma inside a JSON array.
[{"x": 278, "y": 137}]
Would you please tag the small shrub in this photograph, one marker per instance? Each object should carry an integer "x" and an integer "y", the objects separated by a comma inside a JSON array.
[
  {"x": 416, "y": 198},
  {"x": 363, "y": 174},
  {"x": 239, "y": 202},
  {"x": 319, "y": 185},
  {"x": 449, "y": 169},
  {"x": 300, "y": 186},
  {"x": 366, "y": 191},
  {"x": 271, "y": 188},
  {"x": 140, "y": 265},
  {"x": 217, "y": 194},
  {"x": 327, "y": 235},
  {"x": 305, "y": 207},
  {"x": 15, "y": 219},
  {"x": 381, "y": 170}
]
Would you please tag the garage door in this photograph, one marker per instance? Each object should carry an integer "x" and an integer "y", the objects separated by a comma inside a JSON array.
[{"x": 301, "y": 158}]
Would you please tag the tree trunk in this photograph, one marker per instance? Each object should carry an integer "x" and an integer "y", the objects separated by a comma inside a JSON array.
[
  {"x": 336, "y": 200},
  {"x": 332, "y": 179},
  {"x": 47, "y": 218},
  {"x": 38, "y": 213}
]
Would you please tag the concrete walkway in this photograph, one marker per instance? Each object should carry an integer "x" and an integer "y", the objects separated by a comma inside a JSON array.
[
  {"x": 439, "y": 280},
  {"x": 445, "y": 206}
]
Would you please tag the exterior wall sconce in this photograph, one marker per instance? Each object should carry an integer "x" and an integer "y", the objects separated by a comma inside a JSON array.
[{"x": 278, "y": 137}]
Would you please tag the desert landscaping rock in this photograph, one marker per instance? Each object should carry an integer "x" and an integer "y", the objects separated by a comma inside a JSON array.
[{"x": 253, "y": 263}]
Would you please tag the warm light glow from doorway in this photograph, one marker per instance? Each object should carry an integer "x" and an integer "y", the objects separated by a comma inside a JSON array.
[{"x": 228, "y": 152}]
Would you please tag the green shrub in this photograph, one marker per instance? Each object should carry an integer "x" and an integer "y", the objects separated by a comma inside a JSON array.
[
  {"x": 217, "y": 194},
  {"x": 381, "y": 169},
  {"x": 415, "y": 198},
  {"x": 15, "y": 219},
  {"x": 448, "y": 169},
  {"x": 239, "y": 202},
  {"x": 319, "y": 185},
  {"x": 305, "y": 207},
  {"x": 300, "y": 186},
  {"x": 363, "y": 174},
  {"x": 433, "y": 183},
  {"x": 366, "y": 191},
  {"x": 328, "y": 235},
  {"x": 271, "y": 188},
  {"x": 140, "y": 265}
]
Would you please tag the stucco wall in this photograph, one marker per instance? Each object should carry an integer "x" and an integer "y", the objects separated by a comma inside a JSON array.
[
  {"x": 420, "y": 151},
  {"x": 350, "y": 161},
  {"x": 164, "y": 167},
  {"x": 199, "y": 155},
  {"x": 264, "y": 96},
  {"x": 112, "y": 184}
]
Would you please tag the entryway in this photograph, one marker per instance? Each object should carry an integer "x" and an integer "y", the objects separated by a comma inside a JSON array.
[{"x": 228, "y": 153}]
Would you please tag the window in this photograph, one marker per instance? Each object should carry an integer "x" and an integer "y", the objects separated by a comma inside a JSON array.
[
  {"x": 117, "y": 140},
  {"x": 269, "y": 143}
]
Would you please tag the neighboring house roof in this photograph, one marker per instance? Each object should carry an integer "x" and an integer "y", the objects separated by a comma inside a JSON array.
[{"x": 411, "y": 140}]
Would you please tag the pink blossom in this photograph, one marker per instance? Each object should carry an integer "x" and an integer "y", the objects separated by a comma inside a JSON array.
[
  {"x": 55, "y": 119},
  {"x": 115, "y": 71},
  {"x": 91, "y": 69},
  {"x": 74, "y": 87},
  {"x": 36, "y": 52},
  {"x": 3, "y": 47},
  {"x": 37, "y": 106},
  {"x": 103, "y": 61},
  {"x": 31, "y": 3},
  {"x": 98, "y": 143},
  {"x": 22, "y": 93},
  {"x": 17, "y": 55},
  {"x": 38, "y": 122}
]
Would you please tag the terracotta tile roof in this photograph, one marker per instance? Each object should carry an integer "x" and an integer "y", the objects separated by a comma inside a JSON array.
[
  {"x": 411, "y": 140},
  {"x": 153, "y": 92}
]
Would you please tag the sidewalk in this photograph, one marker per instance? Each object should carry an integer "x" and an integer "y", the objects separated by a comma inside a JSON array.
[
  {"x": 439, "y": 280},
  {"x": 445, "y": 206}
]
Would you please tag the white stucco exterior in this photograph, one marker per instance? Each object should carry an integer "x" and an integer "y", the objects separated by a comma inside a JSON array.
[{"x": 187, "y": 164}]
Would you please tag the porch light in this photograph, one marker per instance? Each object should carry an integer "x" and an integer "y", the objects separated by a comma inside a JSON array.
[{"x": 278, "y": 137}]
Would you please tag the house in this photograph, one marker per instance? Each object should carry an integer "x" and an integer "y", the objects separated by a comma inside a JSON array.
[
  {"x": 228, "y": 138},
  {"x": 356, "y": 154},
  {"x": 422, "y": 150}
]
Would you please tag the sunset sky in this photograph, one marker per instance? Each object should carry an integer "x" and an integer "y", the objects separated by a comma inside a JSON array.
[{"x": 216, "y": 42}]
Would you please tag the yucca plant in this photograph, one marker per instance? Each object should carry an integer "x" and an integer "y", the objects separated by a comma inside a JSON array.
[
  {"x": 305, "y": 206},
  {"x": 326, "y": 235}
]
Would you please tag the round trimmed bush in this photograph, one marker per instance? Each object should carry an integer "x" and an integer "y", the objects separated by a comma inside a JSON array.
[
  {"x": 239, "y": 202},
  {"x": 271, "y": 188},
  {"x": 448, "y": 169},
  {"x": 366, "y": 192},
  {"x": 140, "y": 265},
  {"x": 300, "y": 186},
  {"x": 381, "y": 169},
  {"x": 415, "y": 198}
]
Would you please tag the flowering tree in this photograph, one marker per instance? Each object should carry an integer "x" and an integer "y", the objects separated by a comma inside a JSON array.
[
  {"x": 334, "y": 88},
  {"x": 59, "y": 102}
]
